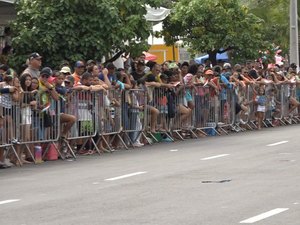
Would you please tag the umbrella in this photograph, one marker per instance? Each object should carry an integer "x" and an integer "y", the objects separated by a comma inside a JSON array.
[{"x": 149, "y": 56}]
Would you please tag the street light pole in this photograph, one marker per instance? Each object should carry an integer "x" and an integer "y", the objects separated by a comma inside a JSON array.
[{"x": 294, "y": 45}]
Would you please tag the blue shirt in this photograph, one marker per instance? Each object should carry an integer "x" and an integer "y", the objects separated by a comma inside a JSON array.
[{"x": 111, "y": 77}]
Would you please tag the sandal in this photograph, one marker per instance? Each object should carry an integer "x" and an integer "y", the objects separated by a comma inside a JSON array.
[
  {"x": 68, "y": 155},
  {"x": 88, "y": 152}
]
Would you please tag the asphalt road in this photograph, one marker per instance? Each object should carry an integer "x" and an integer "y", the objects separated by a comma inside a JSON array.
[{"x": 227, "y": 180}]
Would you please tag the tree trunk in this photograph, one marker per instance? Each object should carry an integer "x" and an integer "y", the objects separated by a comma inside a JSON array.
[{"x": 212, "y": 56}]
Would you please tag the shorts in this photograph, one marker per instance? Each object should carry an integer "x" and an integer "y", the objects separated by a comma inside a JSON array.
[
  {"x": 26, "y": 115},
  {"x": 261, "y": 108},
  {"x": 238, "y": 108},
  {"x": 163, "y": 109}
]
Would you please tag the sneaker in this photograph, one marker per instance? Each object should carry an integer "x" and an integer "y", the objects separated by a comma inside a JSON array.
[
  {"x": 242, "y": 121},
  {"x": 138, "y": 145},
  {"x": 167, "y": 139},
  {"x": 221, "y": 124},
  {"x": 8, "y": 163},
  {"x": 236, "y": 129},
  {"x": 3, "y": 166},
  {"x": 14, "y": 141}
]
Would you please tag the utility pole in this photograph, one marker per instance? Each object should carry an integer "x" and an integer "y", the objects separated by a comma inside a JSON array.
[{"x": 294, "y": 45}]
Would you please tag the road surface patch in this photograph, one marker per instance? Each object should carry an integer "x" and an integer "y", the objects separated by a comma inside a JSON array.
[
  {"x": 215, "y": 157},
  {"x": 125, "y": 176},
  {"x": 9, "y": 201},
  {"x": 277, "y": 143},
  {"x": 264, "y": 215}
]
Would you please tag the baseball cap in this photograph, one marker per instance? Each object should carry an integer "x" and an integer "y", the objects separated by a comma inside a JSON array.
[
  {"x": 4, "y": 67},
  {"x": 79, "y": 64},
  {"x": 46, "y": 71},
  {"x": 173, "y": 65},
  {"x": 69, "y": 79},
  {"x": 91, "y": 61},
  {"x": 65, "y": 69},
  {"x": 34, "y": 55},
  {"x": 227, "y": 66}
]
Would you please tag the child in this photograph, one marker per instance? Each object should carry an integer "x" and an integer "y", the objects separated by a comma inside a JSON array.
[
  {"x": 260, "y": 100},
  {"x": 273, "y": 106}
]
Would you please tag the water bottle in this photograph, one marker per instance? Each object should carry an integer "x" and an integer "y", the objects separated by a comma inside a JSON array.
[{"x": 38, "y": 154}]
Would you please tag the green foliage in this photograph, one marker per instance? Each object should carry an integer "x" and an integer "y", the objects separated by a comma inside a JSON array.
[
  {"x": 75, "y": 29},
  {"x": 275, "y": 16},
  {"x": 212, "y": 25}
]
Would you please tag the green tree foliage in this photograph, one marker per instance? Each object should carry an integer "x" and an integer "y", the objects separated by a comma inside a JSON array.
[
  {"x": 215, "y": 26},
  {"x": 75, "y": 29},
  {"x": 275, "y": 16}
]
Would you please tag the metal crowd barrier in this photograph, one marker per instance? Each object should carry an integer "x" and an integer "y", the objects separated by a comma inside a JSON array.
[
  {"x": 182, "y": 124},
  {"x": 112, "y": 108},
  {"x": 227, "y": 115},
  {"x": 32, "y": 120},
  {"x": 38, "y": 122},
  {"x": 207, "y": 109},
  {"x": 125, "y": 117},
  {"x": 83, "y": 105},
  {"x": 8, "y": 130},
  {"x": 134, "y": 115},
  {"x": 157, "y": 118}
]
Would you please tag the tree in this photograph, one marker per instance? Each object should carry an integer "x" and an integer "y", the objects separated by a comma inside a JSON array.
[
  {"x": 74, "y": 29},
  {"x": 275, "y": 16},
  {"x": 215, "y": 26}
]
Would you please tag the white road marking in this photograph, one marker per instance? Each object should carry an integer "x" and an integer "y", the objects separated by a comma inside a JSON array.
[
  {"x": 95, "y": 183},
  {"x": 216, "y": 156},
  {"x": 296, "y": 203},
  {"x": 174, "y": 150},
  {"x": 264, "y": 215},
  {"x": 277, "y": 143},
  {"x": 125, "y": 176},
  {"x": 9, "y": 201}
]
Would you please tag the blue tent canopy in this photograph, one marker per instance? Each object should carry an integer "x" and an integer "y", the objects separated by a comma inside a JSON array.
[{"x": 223, "y": 57}]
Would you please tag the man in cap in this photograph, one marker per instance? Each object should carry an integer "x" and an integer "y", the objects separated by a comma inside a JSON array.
[
  {"x": 227, "y": 70},
  {"x": 66, "y": 71},
  {"x": 34, "y": 65},
  {"x": 78, "y": 71}
]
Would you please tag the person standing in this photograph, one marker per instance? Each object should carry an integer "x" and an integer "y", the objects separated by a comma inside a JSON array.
[
  {"x": 79, "y": 69},
  {"x": 34, "y": 65}
]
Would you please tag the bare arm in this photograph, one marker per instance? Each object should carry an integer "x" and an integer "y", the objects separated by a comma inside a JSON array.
[{"x": 106, "y": 80}]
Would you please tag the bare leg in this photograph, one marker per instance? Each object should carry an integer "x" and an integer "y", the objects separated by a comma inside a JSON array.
[
  {"x": 153, "y": 120},
  {"x": 68, "y": 121}
]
